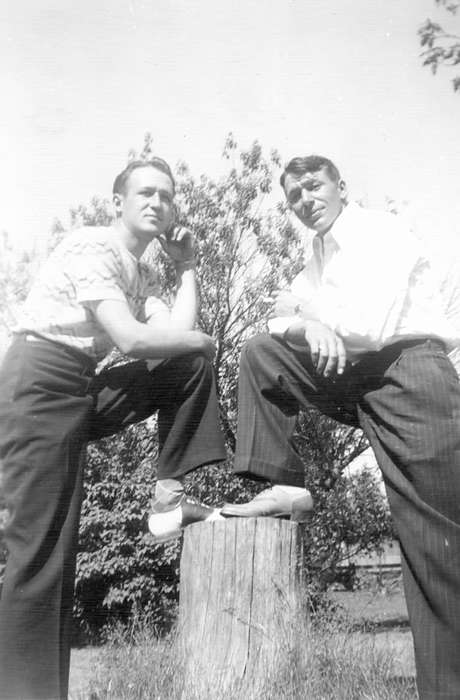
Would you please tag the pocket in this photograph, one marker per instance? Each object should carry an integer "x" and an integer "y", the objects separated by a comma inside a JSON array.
[
  {"x": 13, "y": 372},
  {"x": 445, "y": 363},
  {"x": 44, "y": 368},
  {"x": 425, "y": 366}
]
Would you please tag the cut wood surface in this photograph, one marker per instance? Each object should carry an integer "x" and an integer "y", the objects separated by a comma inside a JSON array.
[{"x": 241, "y": 601}]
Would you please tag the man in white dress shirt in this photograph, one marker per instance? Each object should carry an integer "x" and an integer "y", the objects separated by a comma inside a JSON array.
[{"x": 363, "y": 335}]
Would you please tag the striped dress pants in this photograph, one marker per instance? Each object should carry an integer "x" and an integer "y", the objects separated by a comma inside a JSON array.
[{"x": 406, "y": 399}]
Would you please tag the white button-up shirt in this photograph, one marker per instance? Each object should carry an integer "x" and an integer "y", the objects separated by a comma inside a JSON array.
[{"x": 370, "y": 281}]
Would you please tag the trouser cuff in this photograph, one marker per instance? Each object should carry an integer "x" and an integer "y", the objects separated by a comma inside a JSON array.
[
  {"x": 258, "y": 470},
  {"x": 168, "y": 471}
]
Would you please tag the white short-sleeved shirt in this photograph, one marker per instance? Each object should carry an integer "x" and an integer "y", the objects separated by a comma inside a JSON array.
[{"x": 89, "y": 265}]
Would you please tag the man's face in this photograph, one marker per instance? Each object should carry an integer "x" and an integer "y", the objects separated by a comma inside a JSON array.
[
  {"x": 315, "y": 199},
  {"x": 146, "y": 208}
]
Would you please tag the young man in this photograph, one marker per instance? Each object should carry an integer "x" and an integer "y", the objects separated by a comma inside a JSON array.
[
  {"x": 362, "y": 335},
  {"x": 95, "y": 293}
]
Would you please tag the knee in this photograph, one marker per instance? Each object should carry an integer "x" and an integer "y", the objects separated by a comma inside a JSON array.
[
  {"x": 197, "y": 366},
  {"x": 256, "y": 350},
  {"x": 201, "y": 364}
]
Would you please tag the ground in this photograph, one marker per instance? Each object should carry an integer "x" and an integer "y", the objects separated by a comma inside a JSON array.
[
  {"x": 378, "y": 610},
  {"x": 382, "y": 610}
]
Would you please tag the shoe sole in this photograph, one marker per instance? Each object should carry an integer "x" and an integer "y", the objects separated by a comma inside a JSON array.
[
  {"x": 300, "y": 512},
  {"x": 300, "y": 517},
  {"x": 175, "y": 533}
]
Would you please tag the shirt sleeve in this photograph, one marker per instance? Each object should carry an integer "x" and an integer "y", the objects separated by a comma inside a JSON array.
[
  {"x": 304, "y": 286},
  {"x": 95, "y": 270},
  {"x": 279, "y": 325}
]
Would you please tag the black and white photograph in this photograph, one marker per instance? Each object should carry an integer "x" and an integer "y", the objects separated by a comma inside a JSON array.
[{"x": 230, "y": 350}]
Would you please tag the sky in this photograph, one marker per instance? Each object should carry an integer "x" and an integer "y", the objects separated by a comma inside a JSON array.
[{"x": 82, "y": 82}]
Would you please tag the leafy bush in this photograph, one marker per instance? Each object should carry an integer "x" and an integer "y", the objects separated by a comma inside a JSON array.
[
  {"x": 119, "y": 570},
  {"x": 351, "y": 515}
]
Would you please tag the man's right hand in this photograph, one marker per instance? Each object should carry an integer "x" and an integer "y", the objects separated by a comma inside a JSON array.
[{"x": 326, "y": 348}]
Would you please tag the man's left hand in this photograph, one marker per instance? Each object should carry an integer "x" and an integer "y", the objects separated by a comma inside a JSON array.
[{"x": 179, "y": 244}]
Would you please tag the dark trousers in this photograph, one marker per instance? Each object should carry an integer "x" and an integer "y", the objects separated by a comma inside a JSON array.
[
  {"x": 406, "y": 398},
  {"x": 51, "y": 404}
]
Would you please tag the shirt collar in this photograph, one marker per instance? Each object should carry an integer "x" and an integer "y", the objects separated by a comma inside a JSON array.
[{"x": 341, "y": 226}]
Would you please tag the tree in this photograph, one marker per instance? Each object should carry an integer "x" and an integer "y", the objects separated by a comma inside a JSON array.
[{"x": 441, "y": 47}]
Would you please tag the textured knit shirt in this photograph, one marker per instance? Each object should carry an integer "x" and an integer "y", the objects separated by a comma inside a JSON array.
[
  {"x": 370, "y": 281},
  {"x": 89, "y": 265}
]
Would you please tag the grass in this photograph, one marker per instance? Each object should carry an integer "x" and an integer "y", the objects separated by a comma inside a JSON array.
[{"x": 329, "y": 662}]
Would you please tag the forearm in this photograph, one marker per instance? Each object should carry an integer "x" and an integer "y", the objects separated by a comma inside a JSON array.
[
  {"x": 292, "y": 324},
  {"x": 156, "y": 339},
  {"x": 153, "y": 342},
  {"x": 184, "y": 310}
]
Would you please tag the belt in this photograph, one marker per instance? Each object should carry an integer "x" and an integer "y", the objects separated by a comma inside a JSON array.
[
  {"x": 432, "y": 341},
  {"x": 391, "y": 352},
  {"x": 32, "y": 337}
]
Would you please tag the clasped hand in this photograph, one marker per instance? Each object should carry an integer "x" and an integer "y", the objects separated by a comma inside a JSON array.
[{"x": 326, "y": 348}]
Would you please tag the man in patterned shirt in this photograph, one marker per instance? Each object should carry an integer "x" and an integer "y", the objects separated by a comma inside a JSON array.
[{"x": 92, "y": 294}]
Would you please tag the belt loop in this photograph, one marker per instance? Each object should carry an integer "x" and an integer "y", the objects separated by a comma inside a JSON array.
[{"x": 436, "y": 344}]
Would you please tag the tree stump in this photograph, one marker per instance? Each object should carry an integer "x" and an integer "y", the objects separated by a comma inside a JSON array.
[{"x": 242, "y": 604}]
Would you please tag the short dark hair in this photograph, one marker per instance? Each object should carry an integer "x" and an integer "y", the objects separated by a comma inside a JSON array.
[
  {"x": 310, "y": 164},
  {"x": 121, "y": 180}
]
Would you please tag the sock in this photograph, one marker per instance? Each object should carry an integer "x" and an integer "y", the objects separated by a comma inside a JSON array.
[{"x": 169, "y": 491}]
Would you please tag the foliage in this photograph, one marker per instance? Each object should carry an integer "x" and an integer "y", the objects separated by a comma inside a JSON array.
[
  {"x": 119, "y": 571},
  {"x": 351, "y": 516},
  {"x": 441, "y": 47},
  {"x": 349, "y": 519},
  {"x": 97, "y": 213},
  {"x": 15, "y": 276}
]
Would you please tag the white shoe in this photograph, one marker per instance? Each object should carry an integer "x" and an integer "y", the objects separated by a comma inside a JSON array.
[
  {"x": 273, "y": 502},
  {"x": 166, "y": 522}
]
